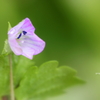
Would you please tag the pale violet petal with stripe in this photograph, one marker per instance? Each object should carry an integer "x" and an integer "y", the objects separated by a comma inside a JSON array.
[{"x": 23, "y": 40}]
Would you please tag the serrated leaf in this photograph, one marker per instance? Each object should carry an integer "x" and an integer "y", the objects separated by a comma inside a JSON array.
[{"x": 46, "y": 80}]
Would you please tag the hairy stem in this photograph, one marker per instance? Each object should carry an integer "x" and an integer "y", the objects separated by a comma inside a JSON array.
[{"x": 11, "y": 79}]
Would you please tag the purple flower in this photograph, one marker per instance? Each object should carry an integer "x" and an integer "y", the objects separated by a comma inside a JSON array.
[{"x": 23, "y": 40}]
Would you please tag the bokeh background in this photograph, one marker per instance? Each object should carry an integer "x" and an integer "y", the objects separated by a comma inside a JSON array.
[{"x": 71, "y": 29}]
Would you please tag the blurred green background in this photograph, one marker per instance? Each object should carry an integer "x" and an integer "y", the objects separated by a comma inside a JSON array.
[{"x": 71, "y": 29}]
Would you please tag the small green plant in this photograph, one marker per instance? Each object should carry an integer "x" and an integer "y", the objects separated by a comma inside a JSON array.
[{"x": 20, "y": 78}]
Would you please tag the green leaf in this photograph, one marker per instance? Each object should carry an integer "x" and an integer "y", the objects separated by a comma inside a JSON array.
[
  {"x": 9, "y": 26},
  {"x": 47, "y": 80},
  {"x": 4, "y": 76},
  {"x": 20, "y": 66},
  {"x": 35, "y": 83},
  {"x": 6, "y": 50}
]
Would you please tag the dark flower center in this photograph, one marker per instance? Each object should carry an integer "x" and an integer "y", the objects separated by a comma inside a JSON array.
[{"x": 23, "y": 33}]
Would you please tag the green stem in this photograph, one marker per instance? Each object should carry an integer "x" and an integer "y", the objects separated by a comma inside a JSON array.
[{"x": 11, "y": 79}]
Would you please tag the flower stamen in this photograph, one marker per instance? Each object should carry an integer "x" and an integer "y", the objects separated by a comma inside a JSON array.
[
  {"x": 19, "y": 35},
  {"x": 24, "y": 33}
]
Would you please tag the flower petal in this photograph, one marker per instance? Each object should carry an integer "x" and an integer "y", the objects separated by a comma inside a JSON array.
[
  {"x": 23, "y": 40},
  {"x": 27, "y": 26},
  {"x": 27, "y": 52},
  {"x": 15, "y": 47},
  {"x": 33, "y": 42},
  {"x": 13, "y": 31}
]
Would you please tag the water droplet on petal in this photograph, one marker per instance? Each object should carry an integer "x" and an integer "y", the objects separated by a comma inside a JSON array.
[
  {"x": 12, "y": 31},
  {"x": 22, "y": 41}
]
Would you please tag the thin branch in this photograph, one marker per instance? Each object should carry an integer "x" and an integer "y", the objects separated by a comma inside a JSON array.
[{"x": 11, "y": 79}]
